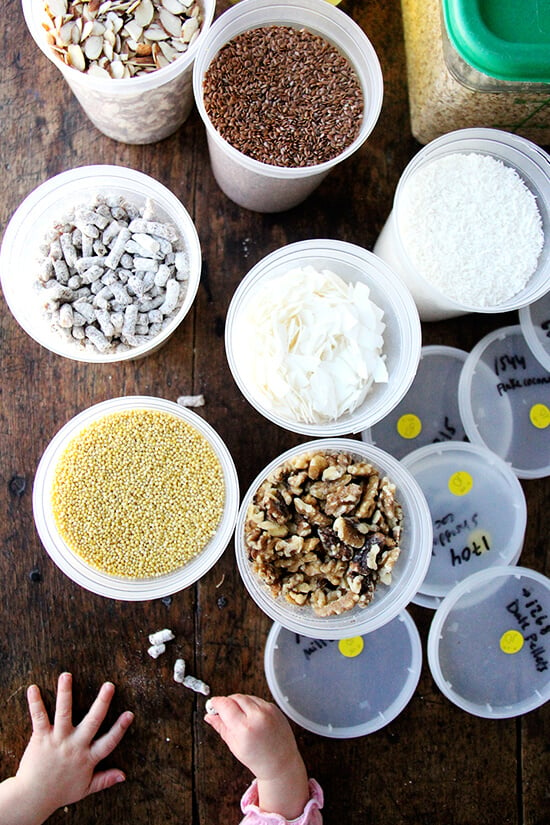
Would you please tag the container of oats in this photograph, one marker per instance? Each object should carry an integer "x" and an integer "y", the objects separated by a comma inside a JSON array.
[
  {"x": 333, "y": 538},
  {"x": 469, "y": 230},
  {"x": 478, "y": 63},
  {"x": 287, "y": 91},
  {"x": 129, "y": 64},
  {"x": 322, "y": 338},
  {"x": 100, "y": 264},
  {"x": 135, "y": 498},
  {"x": 344, "y": 688}
]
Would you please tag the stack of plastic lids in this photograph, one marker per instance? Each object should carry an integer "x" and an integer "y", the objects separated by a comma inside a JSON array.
[
  {"x": 503, "y": 397},
  {"x": 344, "y": 688},
  {"x": 534, "y": 320},
  {"x": 478, "y": 510},
  {"x": 489, "y": 642},
  {"x": 429, "y": 411}
]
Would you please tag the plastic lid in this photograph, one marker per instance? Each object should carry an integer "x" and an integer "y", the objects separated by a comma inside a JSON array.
[
  {"x": 347, "y": 688},
  {"x": 504, "y": 401},
  {"x": 478, "y": 512},
  {"x": 534, "y": 320},
  {"x": 489, "y": 643},
  {"x": 429, "y": 411},
  {"x": 502, "y": 38}
]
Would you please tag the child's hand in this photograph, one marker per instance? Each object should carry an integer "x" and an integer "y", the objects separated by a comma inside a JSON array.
[
  {"x": 259, "y": 735},
  {"x": 59, "y": 763}
]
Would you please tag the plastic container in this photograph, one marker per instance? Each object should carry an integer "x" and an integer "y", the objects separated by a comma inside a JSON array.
[
  {"x": 120, "y": 587},
  {"x": 478, "y": 509},
  {"x": 402, "y": 337},
  {"x": 429, "y": 411},
  {"x": 258, "y": 186},
  {"x": 478, "y": 63},
  {"x": 531, "y": 163},
  {"x": 534, "y": 320},
  {"x": 408, "y": 572},
  {"x": 349, "y": 688},
  {"x": 142, "y": 109},
  {"x": 35, "y": 217},
  {"x": 503, "y": 399},
  {"x": 488, "y": 645}
]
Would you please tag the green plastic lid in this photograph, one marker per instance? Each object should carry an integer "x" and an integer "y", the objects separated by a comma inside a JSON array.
[{"x": 505, "y": 39}]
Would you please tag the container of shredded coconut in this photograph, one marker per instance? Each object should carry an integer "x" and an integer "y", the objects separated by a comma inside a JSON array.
[
  {"x": 470, "y": 226},
  {"x": 322, "y": 338}
]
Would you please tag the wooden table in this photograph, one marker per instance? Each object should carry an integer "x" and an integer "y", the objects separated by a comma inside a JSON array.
[{"x": 434, "y": 764}]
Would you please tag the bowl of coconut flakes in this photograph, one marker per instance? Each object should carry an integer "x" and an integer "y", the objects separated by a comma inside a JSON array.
[{"x": 322, "y": 338}]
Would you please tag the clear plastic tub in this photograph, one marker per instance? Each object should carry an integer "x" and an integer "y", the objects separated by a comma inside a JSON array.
[
  {"x": 429, "y": 411},
  {"x": 531, "y": 163},
  {"x": 488, "y": 645},
  {"x": 142, "y": 109},
  {"x": 120, "y": 587},
  {"x": 48, "y": 203},
  {"x": 503, "y": 398},
  {"x": 478, "y": 509},
  {"x": 407, "y": 575},
  {"x": 248, "y": 182},
  {"x": 349, "y": 688},
  {"x": 534, "y": 320},
  {"x": 402, "y": 337}
]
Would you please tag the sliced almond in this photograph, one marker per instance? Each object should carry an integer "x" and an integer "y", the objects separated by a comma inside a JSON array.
[
  {"x": 93, "y": 46},
  {"x": 76, "y": 57},
  {"x": 170, "y": 22},
  {"x": 143, "y": 13}
]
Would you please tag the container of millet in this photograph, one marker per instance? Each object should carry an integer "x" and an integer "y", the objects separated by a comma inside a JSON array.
[
  {"x": 287, "y": 91},
  {"x": 322, "y": 338},
  {"x": 100, "y": 264},
  {"x": 135, "y": 498},
  {"x": 470, "y": 226},
  {"x": 128, "y": 64},
  {"x": 333, "y": 538}
]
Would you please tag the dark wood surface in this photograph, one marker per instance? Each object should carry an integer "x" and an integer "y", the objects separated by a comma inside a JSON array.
[{"x": 434, "y": 764}]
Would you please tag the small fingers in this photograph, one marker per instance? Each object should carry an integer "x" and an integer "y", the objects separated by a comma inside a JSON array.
[
  {"x": 93, "y": 720},
  {"x": 63, "y": 719},
  {"x": 39, "y": 716},
  {"x": 106, "y": 744},
  {"x": 105, "y": 779}
]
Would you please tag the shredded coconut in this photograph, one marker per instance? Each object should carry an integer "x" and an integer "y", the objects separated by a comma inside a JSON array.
[
  {"x": 472, "y": 228},
  {"x": 317, "y": 344}
]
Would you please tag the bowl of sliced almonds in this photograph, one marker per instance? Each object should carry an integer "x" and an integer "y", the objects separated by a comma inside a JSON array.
[
  {"x": 129, "y": 64},
  {"x": 333, "y": 538}
]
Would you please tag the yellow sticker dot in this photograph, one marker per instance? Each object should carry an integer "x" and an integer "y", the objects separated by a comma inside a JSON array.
[
  {"x": 460, "y": 483},
  {"x": 409, "y": 426},
  {"x": 351, "y": 647},
  {"x": 539, "y": 415},
  {"x": 511, "y": 641}
]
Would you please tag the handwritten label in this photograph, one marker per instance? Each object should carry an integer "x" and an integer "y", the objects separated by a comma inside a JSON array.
[
  {"x": 532, "y": 618},
  {"x": 312, "y": 646},
  {"x": 448, "y": 528},
  {"x": 505, "y": 363},
  {"x": 545, "y": 326}
]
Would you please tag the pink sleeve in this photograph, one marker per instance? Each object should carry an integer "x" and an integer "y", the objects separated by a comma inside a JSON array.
[{"x": 253, "y": 815}]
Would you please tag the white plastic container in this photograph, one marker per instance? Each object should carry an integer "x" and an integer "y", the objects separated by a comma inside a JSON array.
[
  {"x": 407, "y": 575},
  {"x": 504, "y": 401},
  {"x": 258, "y": 186},
  {"x": 120, "y": 587},
  {"x": 531, "y": 163},
  {"x": 402, "y": 336},
  {"x": 47, "y": 204},
  {"x": 489, "y": 643},
  {"x": 142, "y": 109},
  {"x": 478, "y": 509},
  {"x": 347, "y": 688}
]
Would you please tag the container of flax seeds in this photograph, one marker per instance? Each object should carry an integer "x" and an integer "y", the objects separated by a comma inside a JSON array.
[{"x": 478, "y": 63}]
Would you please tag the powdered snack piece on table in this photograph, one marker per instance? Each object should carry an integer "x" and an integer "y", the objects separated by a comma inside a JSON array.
[
  {"x": 472, "y": 228},
  {"x": 323, "y": 530},
  {"x": 318, "y": 344},
  {"x": 283, "y": 96}
]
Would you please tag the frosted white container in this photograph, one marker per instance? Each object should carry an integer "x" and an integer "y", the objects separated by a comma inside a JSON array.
[
  {"x": 121, "y": 587},
  {"x": 259, "y": 186},
  {"x": 48, "y": 203},
  {"x": 402, "y": 336},
  {"x": 532, "y": 165},
  {"x": 407, "y": 574},
  {"x": 141, "y": 109}
]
